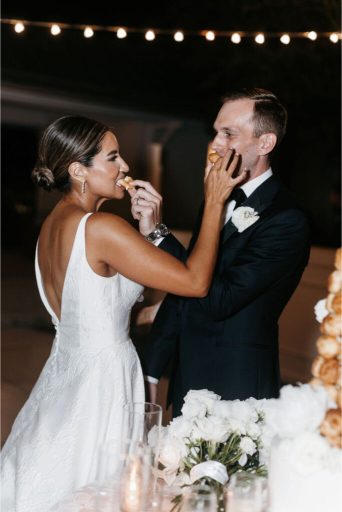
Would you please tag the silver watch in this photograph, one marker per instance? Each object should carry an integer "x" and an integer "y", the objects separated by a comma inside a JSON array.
[{"x": 159, "y": 231}]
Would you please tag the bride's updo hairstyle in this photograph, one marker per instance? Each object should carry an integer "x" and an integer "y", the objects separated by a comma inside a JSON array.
[{"x": 67, "y": 140}]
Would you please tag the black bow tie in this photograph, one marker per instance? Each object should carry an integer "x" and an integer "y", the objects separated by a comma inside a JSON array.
[{"x": 237, "y": 195}]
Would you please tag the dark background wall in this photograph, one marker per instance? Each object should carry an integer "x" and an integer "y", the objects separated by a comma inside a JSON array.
[{"x": 185, "y": 80}]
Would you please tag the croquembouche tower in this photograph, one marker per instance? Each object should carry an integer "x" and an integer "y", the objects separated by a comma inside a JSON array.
[{"x": 326, "y": 368}]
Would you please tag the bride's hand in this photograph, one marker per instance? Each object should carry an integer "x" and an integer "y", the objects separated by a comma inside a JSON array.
[
  {"x": 219, "y": 181},
  {"x": 146, "y": 206}
]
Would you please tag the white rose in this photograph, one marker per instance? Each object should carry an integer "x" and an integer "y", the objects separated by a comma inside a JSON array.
[
  {"x": 172, "y": 451},
  {"x": 237, "y": 426},
  {"x": 320, "y": 310},
  {"x": 181, "y": 427},
  {"x": 253, "y": 430},
  {"x": 247, "y": 445},
  {"x": 243, "y": 410},
  {"x": 257, "y": 404},
  {"x": 243, "y": 217},
  {"x": 267, "y": 435},
  {"x": 299, "y": 409},
  {"x": 182, "y": 479},
  {"x": 153, "y": 435},
  {"x": 243, "y": 459},
  {"x": 309, "y": 453},
  {"x": 169, "y": 477},
  {"x": 203, "y": 395},
  {"x": 211, "y": 429},
  {"x": 194, "y": 408}
]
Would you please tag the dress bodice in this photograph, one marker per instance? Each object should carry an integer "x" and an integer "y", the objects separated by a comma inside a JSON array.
[{"x": 95, "y": 310}]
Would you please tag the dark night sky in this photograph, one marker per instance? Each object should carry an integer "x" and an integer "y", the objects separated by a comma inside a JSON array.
[
  {"x": 187, "y": 79},
  {"x": 171, "y": 77}
]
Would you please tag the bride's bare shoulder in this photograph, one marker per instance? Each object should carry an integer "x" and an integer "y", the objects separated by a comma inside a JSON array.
[{"x": 103, "y": 225}]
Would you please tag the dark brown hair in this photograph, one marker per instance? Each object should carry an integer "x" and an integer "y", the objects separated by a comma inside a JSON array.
[
  {"x": 269, "y": 115},
  {"x": 67, "y": 140}
]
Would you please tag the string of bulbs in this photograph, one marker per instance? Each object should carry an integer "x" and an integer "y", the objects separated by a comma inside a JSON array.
[{"x": 150, "y": 35}]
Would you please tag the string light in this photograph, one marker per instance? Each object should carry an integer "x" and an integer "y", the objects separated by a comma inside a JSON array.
[
  {"x": 260, "y": 39},
  {"x": 236, "y": 38},
  {"x": 55, "y": 30},
  {"x": 312, "y": 35},
  {"x": 150, "y": 35},
  {"x": 285, "y": 39},
  {"x": 121, "y": 33},
  {"x": 179, "y": 36},
  {"x": 88, "y": 32},
  {"x": 19, "y": 27}
]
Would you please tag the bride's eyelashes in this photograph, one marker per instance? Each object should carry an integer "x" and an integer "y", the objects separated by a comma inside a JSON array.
[{"x": 113, "y": 158}]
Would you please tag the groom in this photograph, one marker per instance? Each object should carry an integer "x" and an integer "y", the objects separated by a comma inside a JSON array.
[{"x": 227, "y": 342}]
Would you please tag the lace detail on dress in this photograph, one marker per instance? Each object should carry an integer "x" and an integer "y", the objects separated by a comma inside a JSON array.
[{"x": 77, "y": 402}]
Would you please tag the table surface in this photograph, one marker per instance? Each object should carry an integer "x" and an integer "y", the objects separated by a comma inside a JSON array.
[{"x": 88, "y": 498}]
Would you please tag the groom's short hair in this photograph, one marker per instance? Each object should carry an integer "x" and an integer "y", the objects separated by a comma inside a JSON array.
[{"x": 269, "y": 114}]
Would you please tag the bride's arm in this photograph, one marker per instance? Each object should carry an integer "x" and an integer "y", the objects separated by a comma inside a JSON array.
[{"x": 120, "y": 246}]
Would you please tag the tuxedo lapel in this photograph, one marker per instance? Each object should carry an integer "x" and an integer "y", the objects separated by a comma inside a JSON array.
[{"x": 261, "y": 198}]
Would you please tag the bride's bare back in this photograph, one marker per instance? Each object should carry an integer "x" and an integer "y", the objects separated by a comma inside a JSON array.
[{"x": 86, "y": 165}]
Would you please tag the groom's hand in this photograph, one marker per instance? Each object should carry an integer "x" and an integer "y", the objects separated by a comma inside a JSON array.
[{"x": 146, "y": 206}]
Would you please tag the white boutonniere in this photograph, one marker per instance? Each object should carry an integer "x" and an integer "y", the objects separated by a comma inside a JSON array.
[{"x": 243, "y": 217}]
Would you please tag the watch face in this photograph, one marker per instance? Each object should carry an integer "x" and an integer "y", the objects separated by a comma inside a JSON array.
[{"x": 163, "y": 229}]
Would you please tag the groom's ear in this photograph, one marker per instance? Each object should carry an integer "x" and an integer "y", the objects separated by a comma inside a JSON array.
[{"x": 268, "y": 142}]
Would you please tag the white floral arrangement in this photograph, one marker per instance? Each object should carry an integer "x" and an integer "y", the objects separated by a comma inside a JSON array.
[
  {"x": 211, "y": 440},
  {"x": 293, "y": 422},
  {"x": 215, "y": 438}
]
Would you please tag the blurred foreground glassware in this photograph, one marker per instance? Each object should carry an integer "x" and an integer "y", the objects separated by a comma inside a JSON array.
[
  {"x": 112, "y": 458},
  {"x": 142, "y": 424},
  {"x": 201, "y": 498},
  {"x": 138, "y": 490},
  {"x": 245, "y": 493}
]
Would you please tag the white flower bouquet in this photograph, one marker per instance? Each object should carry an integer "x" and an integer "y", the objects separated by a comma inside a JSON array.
[{"x": 211, "y": 440}]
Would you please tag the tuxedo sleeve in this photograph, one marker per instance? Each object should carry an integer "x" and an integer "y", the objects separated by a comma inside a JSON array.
[
  {"x": 159, "y": 347},
  {"x": 165, "y": 328},
  {"x": 273, "y": 254}
]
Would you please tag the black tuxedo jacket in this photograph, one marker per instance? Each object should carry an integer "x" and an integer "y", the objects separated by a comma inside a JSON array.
[{"x": 227, "y": 342}]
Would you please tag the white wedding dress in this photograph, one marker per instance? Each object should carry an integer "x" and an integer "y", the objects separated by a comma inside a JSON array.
[{"x": 77, "y": 402}]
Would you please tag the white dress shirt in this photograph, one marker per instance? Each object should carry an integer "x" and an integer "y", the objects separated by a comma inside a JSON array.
[{"x": 227, "y": 212}]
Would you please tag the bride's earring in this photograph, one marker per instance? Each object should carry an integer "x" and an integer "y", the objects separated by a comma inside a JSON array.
[{"x": 83, "y": 187}]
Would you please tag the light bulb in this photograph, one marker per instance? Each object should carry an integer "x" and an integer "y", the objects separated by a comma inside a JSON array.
[
  {"x": 121, "y": 33},
  {"x": 88, "y": 32},
  {"x": 312, "y": 35},
  {"x": 55, "y": 30},
  {"x": 179, "y": 36},
  {"x": 19, "y": 27},
  {"x": 210, "y": 36},
  {"x": 260, "y": 38},
  {"x": 285, "y": 39},
  {"x": 150, "y": 35},
  {"x": 333, "y": 38},
  {"x": 236, "y": 38}
]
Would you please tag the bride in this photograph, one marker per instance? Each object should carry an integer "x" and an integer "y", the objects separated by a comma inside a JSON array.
[{"x": 88, "y": 266}]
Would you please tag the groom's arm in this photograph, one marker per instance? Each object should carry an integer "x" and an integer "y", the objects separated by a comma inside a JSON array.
[
  {"x": 276, "y": 249},
  {"x": 165, "y": 328}
]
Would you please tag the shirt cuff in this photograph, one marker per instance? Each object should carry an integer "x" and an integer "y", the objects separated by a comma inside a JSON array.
[
  {"x": 151, "y": 379},
  {"x": 159, "y": 241}
]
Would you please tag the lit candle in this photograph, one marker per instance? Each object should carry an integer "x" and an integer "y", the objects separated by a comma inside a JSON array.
[{"x": 132, "y": 490}]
